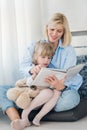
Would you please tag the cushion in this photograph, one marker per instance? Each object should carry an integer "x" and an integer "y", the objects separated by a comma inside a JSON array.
[
  {"x": 74, "y": 114},
  {"x": 70, "y": 115},
  {"x": 83, "y": 72}
]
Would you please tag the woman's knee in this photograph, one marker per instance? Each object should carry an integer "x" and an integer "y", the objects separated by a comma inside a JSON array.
[
  {"x": 4, "y": 101},
  {"x": 68, "y": 100}
]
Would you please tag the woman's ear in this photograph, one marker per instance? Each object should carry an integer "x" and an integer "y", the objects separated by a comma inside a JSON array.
[{"x": 35, "y": 58}]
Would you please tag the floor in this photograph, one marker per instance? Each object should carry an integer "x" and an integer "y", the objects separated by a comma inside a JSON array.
[{"x": 81, "y": 125}]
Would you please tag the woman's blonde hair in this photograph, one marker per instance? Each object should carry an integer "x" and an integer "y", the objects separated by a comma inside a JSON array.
[
  {"x": 42, "y": 48},
  {"x": 56, "y": 19}
]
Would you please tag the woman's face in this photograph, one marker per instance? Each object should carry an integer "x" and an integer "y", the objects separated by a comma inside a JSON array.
[{"x": 55, "y": 33}]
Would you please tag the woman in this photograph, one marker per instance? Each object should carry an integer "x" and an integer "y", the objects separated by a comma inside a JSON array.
[{"x": 58, "y": 33}]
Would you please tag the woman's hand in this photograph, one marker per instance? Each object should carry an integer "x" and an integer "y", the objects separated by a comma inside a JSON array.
[{"x": 54, "y": 82}]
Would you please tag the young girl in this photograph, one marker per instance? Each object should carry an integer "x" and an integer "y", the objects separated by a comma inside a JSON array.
[{"x": 42, "y": 55}]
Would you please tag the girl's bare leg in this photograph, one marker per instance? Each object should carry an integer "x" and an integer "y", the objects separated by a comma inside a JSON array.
[
  {"x": 39, "y": 100},
  {"x": 47, "y": 107}
]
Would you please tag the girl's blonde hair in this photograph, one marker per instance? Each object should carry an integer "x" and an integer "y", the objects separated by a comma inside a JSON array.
[
  {"x": 42, "y": 48},
  {"x": 56, "y": 19}
]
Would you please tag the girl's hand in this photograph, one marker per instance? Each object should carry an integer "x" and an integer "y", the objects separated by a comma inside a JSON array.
[
  {"x": 35, "y": 70},
  {"x": 34, "y": 75},
  {"x": 54, "y": 82}
]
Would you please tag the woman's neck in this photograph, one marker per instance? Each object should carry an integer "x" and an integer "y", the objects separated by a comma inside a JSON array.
[{"x": 55, "y": 45}]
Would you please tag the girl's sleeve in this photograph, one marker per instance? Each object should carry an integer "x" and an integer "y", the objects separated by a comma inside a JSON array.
[{"x": 29, "y": 81}]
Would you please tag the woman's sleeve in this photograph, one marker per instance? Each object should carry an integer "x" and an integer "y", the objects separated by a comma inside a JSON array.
[
  {"x": 26, "y": 62},
  {"x": 71, "y": 60}
]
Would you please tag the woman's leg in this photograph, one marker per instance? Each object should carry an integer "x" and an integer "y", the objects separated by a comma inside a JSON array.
[
  {"x": 8, "y": 107},
  {"x": 12, "y": 113},
  {"x": 43, "y": 97},
  {"x": 47, "y": 107},
  {"x": 69, "y": 99}
]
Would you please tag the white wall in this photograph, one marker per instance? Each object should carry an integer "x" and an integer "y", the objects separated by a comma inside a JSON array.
[
  {"x": 80, "y": 44},
  {"x": 75, "y": 10}
]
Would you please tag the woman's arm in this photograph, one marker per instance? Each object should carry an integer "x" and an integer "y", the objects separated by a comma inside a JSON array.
[
  {"x": 26, "y": 62},
  {"x": 71, "y": 60},
  {"x": 55, "y": 83}
]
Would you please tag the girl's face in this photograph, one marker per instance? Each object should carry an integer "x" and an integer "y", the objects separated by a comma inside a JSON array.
[
  {"x": 55, "y": 33},
  {"x": 44, "y": 61}
]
